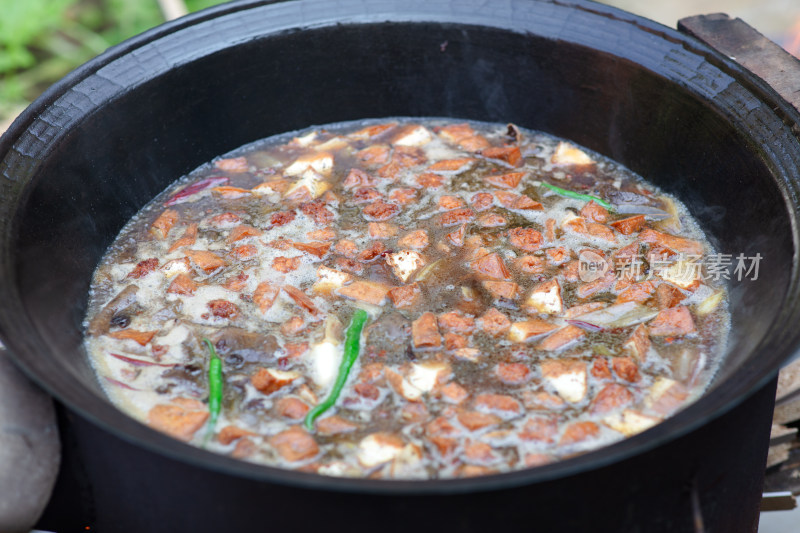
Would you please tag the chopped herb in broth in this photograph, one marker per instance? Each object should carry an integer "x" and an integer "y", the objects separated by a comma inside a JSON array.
[{"x": 526, "y": 300}]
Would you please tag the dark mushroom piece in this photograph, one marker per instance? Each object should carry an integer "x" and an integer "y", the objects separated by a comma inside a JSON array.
[
  {"x": 237, "y": 346},
  {"x": 110, "y": 314}
]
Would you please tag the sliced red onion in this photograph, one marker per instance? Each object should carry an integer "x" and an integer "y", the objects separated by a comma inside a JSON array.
[
  {"x": 184, "y": 194},
  {"x": 584, "y": 325},
  {"x": 138, "y": 362},
  {"x": 120, "y": 384}
]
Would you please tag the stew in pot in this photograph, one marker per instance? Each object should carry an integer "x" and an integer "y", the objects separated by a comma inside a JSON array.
[{"x": 407, "y": 299}]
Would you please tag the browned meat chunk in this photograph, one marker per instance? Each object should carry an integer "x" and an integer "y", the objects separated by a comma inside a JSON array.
[
  {"x": 295, "y": 444},
  {"x": 425, "y": 332}
]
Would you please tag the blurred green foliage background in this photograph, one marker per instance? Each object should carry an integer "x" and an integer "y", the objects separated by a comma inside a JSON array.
[{"x": 42, "y": 40}]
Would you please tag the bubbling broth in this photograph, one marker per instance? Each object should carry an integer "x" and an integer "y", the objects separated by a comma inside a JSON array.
[{"x": 407, "y": 298}]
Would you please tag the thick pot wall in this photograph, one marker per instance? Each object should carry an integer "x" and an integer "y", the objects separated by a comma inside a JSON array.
[
  {"x": 118, "y": 487},
  {"x": 108, "y": 138}
]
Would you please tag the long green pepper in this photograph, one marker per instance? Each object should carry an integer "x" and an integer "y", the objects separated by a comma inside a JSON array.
[
  {"x": 352, "y": 342},
  {"x": 579, "y": 196},
  {"x": 215, "y": 382}
]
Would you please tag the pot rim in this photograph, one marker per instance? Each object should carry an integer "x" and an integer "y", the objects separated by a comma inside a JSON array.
[{"x": 749, "y": 378}]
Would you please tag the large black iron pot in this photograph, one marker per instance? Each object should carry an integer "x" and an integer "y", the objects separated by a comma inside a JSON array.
[{"x": 102, "y": 142}]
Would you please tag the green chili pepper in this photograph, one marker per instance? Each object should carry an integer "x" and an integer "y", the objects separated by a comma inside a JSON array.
[
  {"x": 351, "y": 347},
  {"x": 579, "y": 196},
  {"x": 214, "y": 387}
]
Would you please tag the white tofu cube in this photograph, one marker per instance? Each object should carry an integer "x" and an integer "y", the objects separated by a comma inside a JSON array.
[
  {"x": 404, "y": 263},
  {"x": 378, "y": 448},
  {"x": 325, "y": 358},
  {"x": 529, "y": 329},
  {"x": 545, "y": 298},
  {"x": 403, "y": 387},
  {"x": 683, "y": 274},
  {"x": 415, "y": 135},
  {"x": 630, "y": 422},
  {"x": 567, "y": 377},
  {"x": 329, "y": 279},
  {"x": 320, "y": 162},
  {"x": 311, "y": 185},
  {"x": 424, "y": 376},
  {"x": 175, "y": 267},
  {"x": 567, "y": 154},
  {"x": 305, "y": 140}
]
